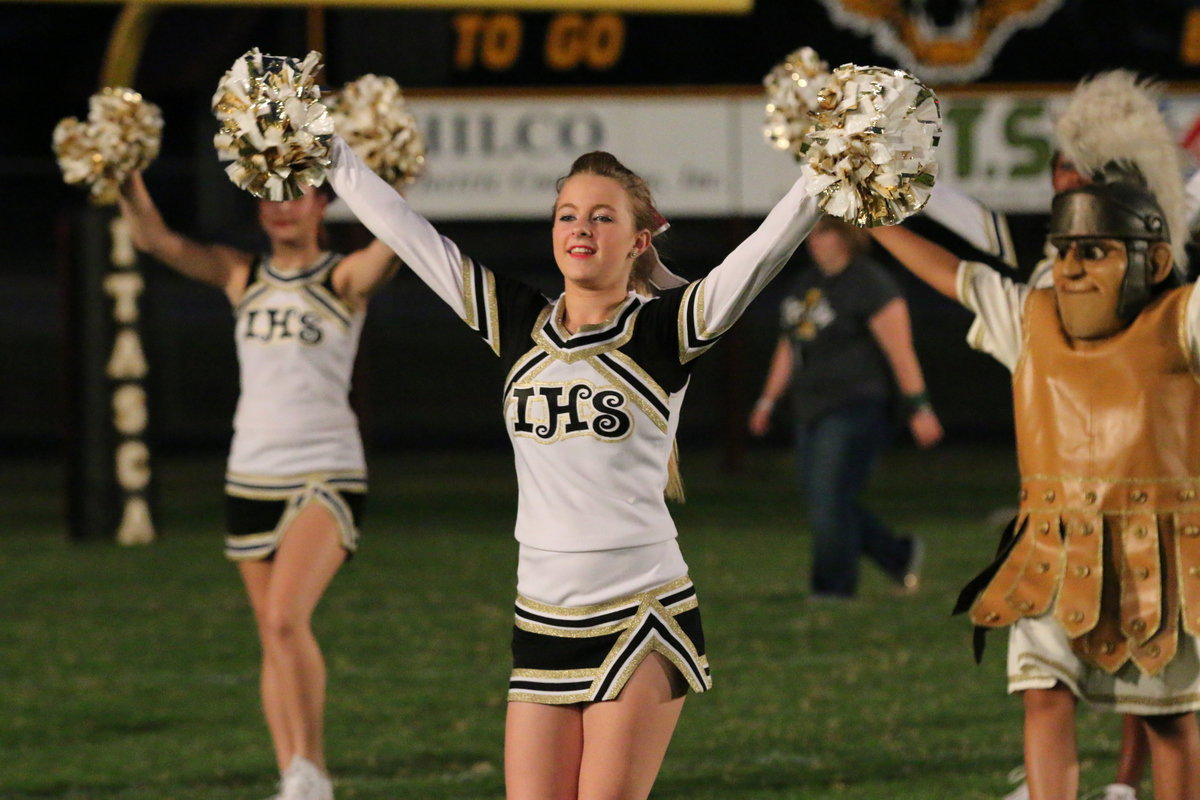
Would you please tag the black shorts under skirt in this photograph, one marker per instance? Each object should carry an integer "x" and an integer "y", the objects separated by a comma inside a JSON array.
[
  {"x": 254, "y": 526},
  {"x": 583, "y": 655}
]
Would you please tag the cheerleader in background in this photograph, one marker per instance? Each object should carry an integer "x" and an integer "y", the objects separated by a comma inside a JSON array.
[{"x": 296, "y": 479}]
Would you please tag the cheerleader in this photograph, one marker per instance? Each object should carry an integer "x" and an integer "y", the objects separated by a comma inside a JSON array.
[
  {"x": 296, "y": 478},
  {"x": 607, "y": 639}
]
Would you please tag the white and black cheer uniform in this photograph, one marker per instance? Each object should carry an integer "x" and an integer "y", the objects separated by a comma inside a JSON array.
[
  {"x": 592, "y": 419},
  {"x": 295, "y": 437}
]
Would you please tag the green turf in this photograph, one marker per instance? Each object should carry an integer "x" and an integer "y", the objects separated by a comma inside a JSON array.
[{"x": 131, "y": 673}]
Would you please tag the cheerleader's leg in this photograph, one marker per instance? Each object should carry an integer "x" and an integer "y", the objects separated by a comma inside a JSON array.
[
  {"x": 543, "y": 745},
  {"x": 625, "y": 740}
]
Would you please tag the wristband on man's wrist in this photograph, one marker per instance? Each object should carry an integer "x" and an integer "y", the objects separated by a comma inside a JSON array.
[
  {"x": 917, "y": 402},
  {"x": 764, "y": 403}
]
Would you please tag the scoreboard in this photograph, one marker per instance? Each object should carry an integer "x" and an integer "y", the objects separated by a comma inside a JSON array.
[{"x": 599, "y": 45}]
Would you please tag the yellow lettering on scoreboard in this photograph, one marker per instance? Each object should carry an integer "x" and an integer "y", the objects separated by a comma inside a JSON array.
[
  {"x": 491, "y": 40},
  {"x": 1189, "y": 39},
  {"x": 574, "y": 40}
]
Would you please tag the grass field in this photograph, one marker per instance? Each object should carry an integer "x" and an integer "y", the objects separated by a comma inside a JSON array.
[{"x": 132, "y": 673}]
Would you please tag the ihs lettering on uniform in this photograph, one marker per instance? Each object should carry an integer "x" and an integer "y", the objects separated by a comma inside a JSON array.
[{"x": 295, "y": 339}]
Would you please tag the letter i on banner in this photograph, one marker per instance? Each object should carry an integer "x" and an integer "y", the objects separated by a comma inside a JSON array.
[{"x": 126, "y": 371}]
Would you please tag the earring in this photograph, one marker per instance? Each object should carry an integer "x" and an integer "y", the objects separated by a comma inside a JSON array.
[{"x": 634, "y": 253}]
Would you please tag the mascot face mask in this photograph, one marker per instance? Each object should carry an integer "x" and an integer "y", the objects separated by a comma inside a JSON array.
[
  {"x": 1112, "y": 246},
  {"x": 1088, "y": 274}
]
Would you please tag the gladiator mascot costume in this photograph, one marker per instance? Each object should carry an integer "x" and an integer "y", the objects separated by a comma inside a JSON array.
[
  {"x": 1098, "y": 577},
  {"x": 1107, "y": 539}
]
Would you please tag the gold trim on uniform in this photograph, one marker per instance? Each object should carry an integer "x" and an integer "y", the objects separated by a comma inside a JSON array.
[
  {"x": 694, "y": 310},
  {"x": 466, "y": 269},
  {"x": 620, "y": 337},
  {"x": 701, "y": 328},
  {"x": 310, "y": 283},
  {"x": 322, "y": 488},
  {"x": 600, "y": 630},
  {"x": 493, "y": 310},
  {"x": 474, "y": 307},
  {"x": 606, "y": 680},
  {"x": 652, "y": 644},
  {"x": 251, "y": 294},
  {"x": 314, "y": 273},
  {"x": 964, "y": 278},
  {"x": 620, "y": 603},
  {"x": 632, "y": 391},
  {"x": 534, "y": 352},
  {"x": 276, "y": 487},
  {"x": 329, "y": 304},
  {"x": 251, "y": 546}
]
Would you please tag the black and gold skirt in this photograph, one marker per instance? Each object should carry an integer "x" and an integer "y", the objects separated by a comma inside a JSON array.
[{"x": 587, "y": 654}]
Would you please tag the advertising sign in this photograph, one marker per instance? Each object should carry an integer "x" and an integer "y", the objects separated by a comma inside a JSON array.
[{"x": 704, "y": 154}]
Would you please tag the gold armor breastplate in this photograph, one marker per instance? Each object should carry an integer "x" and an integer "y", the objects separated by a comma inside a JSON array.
[{"x": 1108, "y": 443}]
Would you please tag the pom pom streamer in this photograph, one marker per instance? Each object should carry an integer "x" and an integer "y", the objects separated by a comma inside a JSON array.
[
  {"x": 274, "y": 127},
  {"x": 123, "y": 133},
  {"x": 793, "y": 95},
  {"x": 371, "y": 115},
  {"x": 865, "y": 136}
]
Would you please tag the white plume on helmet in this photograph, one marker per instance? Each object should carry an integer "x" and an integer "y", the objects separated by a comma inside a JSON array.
[{"x": 1114, "y": 117}]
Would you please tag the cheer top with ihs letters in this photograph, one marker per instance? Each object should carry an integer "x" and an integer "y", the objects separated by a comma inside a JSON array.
[
  {"x": 591, "y": 415},
  {"x": 296, "y": 344}
]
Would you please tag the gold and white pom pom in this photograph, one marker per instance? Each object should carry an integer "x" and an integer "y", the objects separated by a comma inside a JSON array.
[
  {"x": 274, "y": 127},
  {"x": 122, "y": 134},
  {"x": 870, "y": 156},
  {"x": 868, "y": 144},
  {"x": 370, "y": 113},
  {"x": 793, "y": 93}
]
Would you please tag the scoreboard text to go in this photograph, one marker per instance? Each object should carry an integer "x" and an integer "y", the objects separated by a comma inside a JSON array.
[{"x": 572, "y": 41}]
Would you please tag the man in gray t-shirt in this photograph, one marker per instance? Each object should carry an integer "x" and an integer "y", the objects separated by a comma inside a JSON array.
[
  {"x": 845, "y": 348},
  {"x": 835, "y": 357}
]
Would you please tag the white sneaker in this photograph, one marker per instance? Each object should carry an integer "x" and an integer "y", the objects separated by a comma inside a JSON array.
[
  {"x": 303, "y": 780},
  {"x": 1021, "y": 792},
  {"x": 1113, "y": 791}
]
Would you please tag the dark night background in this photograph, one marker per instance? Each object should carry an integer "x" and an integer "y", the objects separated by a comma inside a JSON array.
[{"x": 423, "y": 380}]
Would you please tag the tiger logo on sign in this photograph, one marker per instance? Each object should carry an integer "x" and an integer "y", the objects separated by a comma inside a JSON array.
[{"x": 941, "y": 40}]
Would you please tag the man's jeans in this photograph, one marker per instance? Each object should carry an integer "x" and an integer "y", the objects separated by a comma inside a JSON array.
[{"x": 835, "y": 455}]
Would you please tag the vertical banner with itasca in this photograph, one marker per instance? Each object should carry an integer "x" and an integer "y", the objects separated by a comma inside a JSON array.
[{"x": 110, "y": 459}]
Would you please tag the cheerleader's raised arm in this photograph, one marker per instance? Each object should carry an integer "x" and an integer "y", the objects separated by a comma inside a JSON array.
[
  {"x": 384, "y": 212},
  {"x": 712, "y": 304},
  {"x": 719, "y": 299}
]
